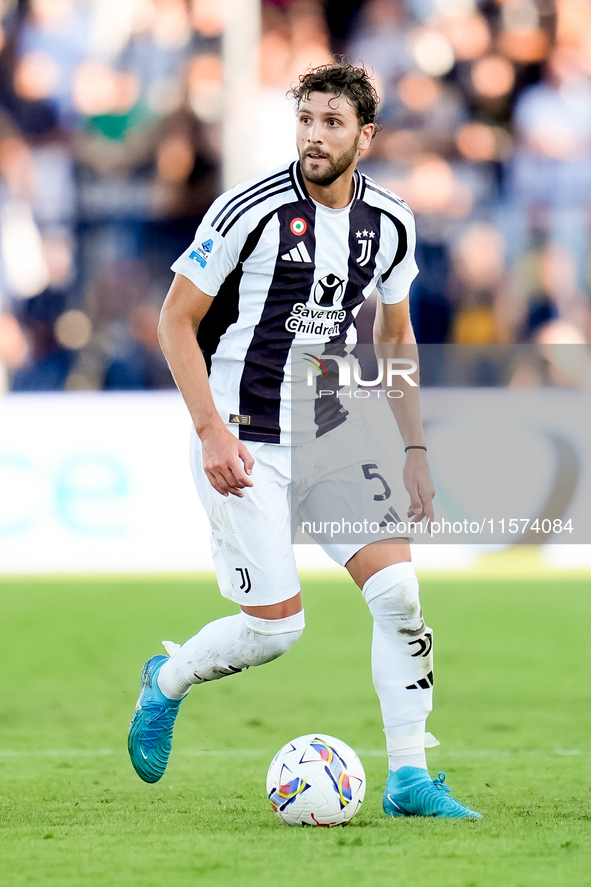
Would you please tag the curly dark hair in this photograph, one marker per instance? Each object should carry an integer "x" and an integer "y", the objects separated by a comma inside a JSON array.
[{"x": 341, "y": 78}]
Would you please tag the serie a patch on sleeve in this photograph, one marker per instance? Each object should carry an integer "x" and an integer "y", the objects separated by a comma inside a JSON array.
[
  {"x": 237, "y": 419},
  {"x": 201, "y": 253}
]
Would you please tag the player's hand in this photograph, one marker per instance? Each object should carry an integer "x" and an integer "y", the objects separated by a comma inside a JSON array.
[
  {"x": 417, "y": 480},
  {"x": 227, "y": 462}
]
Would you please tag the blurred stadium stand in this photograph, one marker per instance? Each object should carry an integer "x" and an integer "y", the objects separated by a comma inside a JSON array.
[{"x": 110, "y": 152}]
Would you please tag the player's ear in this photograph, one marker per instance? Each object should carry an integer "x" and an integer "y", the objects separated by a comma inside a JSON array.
[{"x": 366, "y": 135}]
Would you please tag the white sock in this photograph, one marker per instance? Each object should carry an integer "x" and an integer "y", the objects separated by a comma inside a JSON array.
[
  {"x": 402, "y": 662},
  {"x": 228, "y": 646}
]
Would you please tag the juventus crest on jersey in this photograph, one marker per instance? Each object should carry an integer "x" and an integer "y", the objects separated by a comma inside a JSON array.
[{"x": 286, "y": 272}]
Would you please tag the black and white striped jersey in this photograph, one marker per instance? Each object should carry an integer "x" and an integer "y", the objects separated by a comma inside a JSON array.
[{"x": 286, "y": 272}]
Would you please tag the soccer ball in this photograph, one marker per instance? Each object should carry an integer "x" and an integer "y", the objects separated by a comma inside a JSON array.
[{"x": 316, "y": 780}]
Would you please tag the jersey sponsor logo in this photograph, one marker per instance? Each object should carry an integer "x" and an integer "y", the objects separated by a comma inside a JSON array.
[
  {"x": 298, "y": 254},
  {"x": 329, "y": 291},
  {"x": 298, "y": 227},
  {"x": 314, "y": 321},
  {"x": 238, "y": 419},
  {"x": 201, "y": 253},
  {"x": 324, "y": 316},
  {"x": 365, "y": 240}
]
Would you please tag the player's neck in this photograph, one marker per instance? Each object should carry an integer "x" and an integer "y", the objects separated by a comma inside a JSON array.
[{"x": 337, "y": 195}]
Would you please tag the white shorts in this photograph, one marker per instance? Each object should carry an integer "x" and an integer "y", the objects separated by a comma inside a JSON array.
[{"x": 341, "y": 476}]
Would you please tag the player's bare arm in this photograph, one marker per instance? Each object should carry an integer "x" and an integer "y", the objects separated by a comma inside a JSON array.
[
  {"x": 392, "y": 326},
  {"x": 226, "y": 459}
]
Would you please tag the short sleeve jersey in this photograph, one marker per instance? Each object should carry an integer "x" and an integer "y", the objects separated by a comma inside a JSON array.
[{"x": 284, "y": 272}]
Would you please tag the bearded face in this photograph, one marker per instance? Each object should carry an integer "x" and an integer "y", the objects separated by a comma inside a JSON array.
[
  {"x": 329, "y": 137},
  {"x": 320, "y": 167}
]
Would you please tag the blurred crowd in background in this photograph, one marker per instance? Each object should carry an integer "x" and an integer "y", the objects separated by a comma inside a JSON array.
[{"x": 110, "y": 153}]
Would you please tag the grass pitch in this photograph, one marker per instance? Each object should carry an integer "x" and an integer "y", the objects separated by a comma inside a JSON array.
[{"x": 512, "y": 711}]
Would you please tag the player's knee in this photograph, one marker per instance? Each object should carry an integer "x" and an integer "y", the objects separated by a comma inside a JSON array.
[
  {"x": 392, "y": 595},
  {"x": 271, "y": 638}
]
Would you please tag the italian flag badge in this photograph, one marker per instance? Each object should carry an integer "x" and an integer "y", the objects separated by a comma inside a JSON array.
[{"x": 298, "y": 226}]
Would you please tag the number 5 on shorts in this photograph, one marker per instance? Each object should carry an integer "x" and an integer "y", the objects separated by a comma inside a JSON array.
[{"x": 370, "y": 474}]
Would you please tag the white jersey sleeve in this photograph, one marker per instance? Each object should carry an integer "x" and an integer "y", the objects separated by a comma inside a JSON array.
[
  {"x": 394, "y": 284},
  {"x": 211, "y": 258}
]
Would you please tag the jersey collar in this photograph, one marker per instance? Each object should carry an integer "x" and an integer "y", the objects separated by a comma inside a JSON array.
[{"x": 299, "y": 186}]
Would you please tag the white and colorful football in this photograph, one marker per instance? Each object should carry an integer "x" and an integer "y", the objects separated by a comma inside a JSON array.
[{"x": 316, "y": 780}]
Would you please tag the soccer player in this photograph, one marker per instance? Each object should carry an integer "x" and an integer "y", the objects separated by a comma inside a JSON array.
[{"x": 313, "y": 236}]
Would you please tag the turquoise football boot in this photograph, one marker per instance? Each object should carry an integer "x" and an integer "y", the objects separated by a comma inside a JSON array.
[
  {"x": 410, "y": 791},
  {"x": 150, "y": 732}
]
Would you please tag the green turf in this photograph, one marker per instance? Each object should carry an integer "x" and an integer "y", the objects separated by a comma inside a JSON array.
[{"x": 512, "y": 713}]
